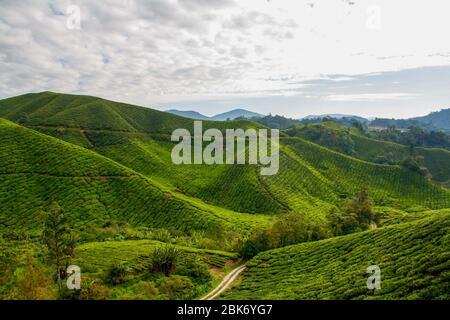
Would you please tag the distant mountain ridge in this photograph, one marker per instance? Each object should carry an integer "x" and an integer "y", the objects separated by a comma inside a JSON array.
[
  {"x": 434, "y": 121},
  {"x": 229, "y": 115},
  {"x": 236, "y": 113},
  {"x": 335, "y": 116},
  {"x": 189, "y": 114}
]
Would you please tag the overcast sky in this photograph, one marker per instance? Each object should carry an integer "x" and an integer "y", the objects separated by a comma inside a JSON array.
[{"x": 290, "y": 57}]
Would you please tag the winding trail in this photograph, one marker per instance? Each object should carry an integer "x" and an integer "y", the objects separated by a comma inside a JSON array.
[{"x": 226, "y": 282}]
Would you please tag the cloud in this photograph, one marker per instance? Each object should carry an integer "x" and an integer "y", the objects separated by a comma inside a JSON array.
[
  {"x": 153, "y": 52},
  {"x": 370, "y": 96}
]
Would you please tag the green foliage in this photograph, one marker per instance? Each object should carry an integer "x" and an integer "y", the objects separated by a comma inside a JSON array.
[
  {"x": 194, "y": 268},
  {"x": 259, "y": 242},
  {"x": 93, "y": 289},
  {"x": 59, "y": 240},
  {"x": 414, "y": 135},
  {"x": 143, "y": 290},
  {"x": 339, "y": 140},
  {"x": 32, "y": 281},
  {"x": 374, "y": 147},
  {"x": 277, "y": 122},
  {"x": 164, "y": 260},
  {"x": 136, "y": 253},
  {"x": 116, "y": 274},
  {"x": 176, "y": 287},
  {"x": 413, "y": 258},
  {"x": 412, "y": 162},
  {"x": 108, "y": 167},
  {"x": 355, "y": 214},
  {"x": 288, "y": 229}
]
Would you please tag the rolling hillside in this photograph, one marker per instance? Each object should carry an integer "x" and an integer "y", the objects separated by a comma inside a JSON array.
[
  {"x": 413, "y": 258},
  {"x": 311, "y": 180},
  {"x": 37, "y": 169},
  {"x": 106, "y": 163},
  {"x": 189, "y": 114},
  {"x": 439, "y": 120},
  {"x": 350, "y": 142}
]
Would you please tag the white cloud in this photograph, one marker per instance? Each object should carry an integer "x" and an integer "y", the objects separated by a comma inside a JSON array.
[
  {"x": 162, "y": 51},
  {"x": 370, "y": 96}
]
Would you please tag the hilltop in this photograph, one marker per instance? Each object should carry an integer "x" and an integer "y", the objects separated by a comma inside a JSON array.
[
  {"x": 92, "y": 188},
  {"x": 229, "y": 115},
  {"x": 435, "y": 121},
  {"x": 353, "y": 143},
  {"x": 311, "y": 180},
  {"x": 236, "y": 113},
  {"x": 109, "y": 167},
  {"x": 189, "y": 114}
]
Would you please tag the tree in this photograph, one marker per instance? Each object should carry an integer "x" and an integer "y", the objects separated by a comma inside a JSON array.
[
  {"x": 164, "y": 260},
  {"x": 361, "y": 205},
  {"x": 116, "y": 274},
  {"x": 176, "y": 286},
  {"x": 355, "y": 214},
  {"x": 412, "y": 162},
  {"x": 59, "y": 240},
  {"x": 288, "y": 228}
]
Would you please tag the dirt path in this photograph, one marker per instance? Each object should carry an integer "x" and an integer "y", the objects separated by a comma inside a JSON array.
[{"x": 226, "y": 282}]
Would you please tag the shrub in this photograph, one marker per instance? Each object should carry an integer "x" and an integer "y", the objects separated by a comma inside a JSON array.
[
  {"x": 355, "y": 214},
  {"x": 164, "y": 260},
  {"x": 289, "y": 228},
  {"x": 116, "y": 274},
  {"x": 249, "y": 249},
  {"x": 176, "y": 286},
  {"x": 33, "y": 282},
  {"x": 94, "y": 290},
  {"x": 196, "y": 269}
]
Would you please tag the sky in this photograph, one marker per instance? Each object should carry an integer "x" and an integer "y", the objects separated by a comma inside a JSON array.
[{"x": 374, "y": 58}]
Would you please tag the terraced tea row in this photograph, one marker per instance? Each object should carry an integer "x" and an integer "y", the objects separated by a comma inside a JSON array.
[
  {"x": 101, "y": 255},
  {"x": 38, "y": 169},
  {"x": 414, "y": 259}
]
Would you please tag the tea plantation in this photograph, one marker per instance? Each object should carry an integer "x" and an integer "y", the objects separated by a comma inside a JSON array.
[
  {"x": 108, "y": 166},
  {"x": 414, "y": 259}
]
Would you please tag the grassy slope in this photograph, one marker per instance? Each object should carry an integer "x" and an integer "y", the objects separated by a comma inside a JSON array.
[
  {"x": 414, "y": 258},
  {"x": 310, "y": 180},
  {"x": 435, "y": 159},
  {"x": 101, "y": 255},
  {"x": 36, "y": 169},
  {"x": 386, "y": 184}
]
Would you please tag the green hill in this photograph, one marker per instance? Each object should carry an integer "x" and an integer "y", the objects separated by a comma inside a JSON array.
[
  {"x": 109, "y": 164},
  {"x": 413, "y": 258},
  {"x": 37, "y": 169},
  {"x": 311, "y": 179},
  {"x": 74, "y": 111},
  {"x": 350, "y": 142},
  {"x": 439, "y": 120}
]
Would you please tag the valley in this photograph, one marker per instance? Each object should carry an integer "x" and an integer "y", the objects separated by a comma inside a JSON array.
[{"x": 108, "y": 167}]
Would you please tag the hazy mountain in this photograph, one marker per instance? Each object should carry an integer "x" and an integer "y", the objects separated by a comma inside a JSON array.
[
  {"x": 435, "y": 121},
  {"x": 233, "y": 114},
  {"x": 236, "y": 113},
  {"x": 277, "y": 122},
  {"x": 189, "y": 114},
  {"x": 438, "y": 120},
  {"x": 335, "y": 116}
]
